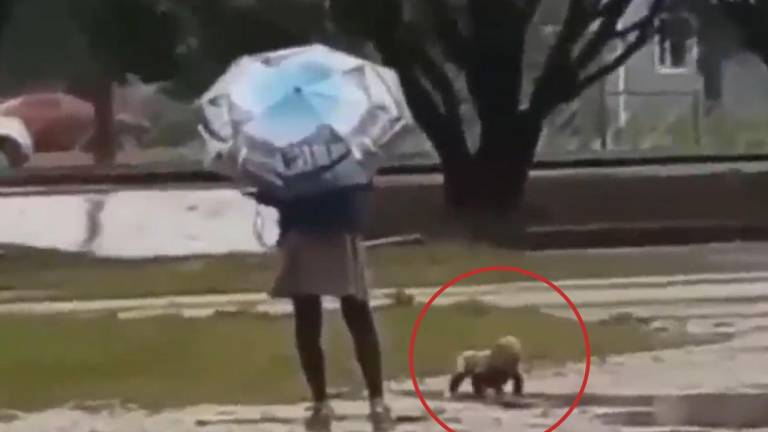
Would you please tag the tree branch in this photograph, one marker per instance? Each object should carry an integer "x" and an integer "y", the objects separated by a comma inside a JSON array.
[
  {"x": 577, "y": 21},
  {"x": 438, "y": 78},
  {"x": 448, "y": 137},
  {"x": 559, "y": 77},
  {"x": 532, "y": 7},
  {"x": 411, "y": 59},
  {"x": 497, "y": 45},
  {"x": 560, "y": 81},
  {"x": 611, "y": 14},
  {"x": 494, "y": 22},
  {"x": 449, "y": 35},
  {"x": 750, "y": 16},
  {"x": 426, "y": 110},
  {"x": 635, "y": 27},
  {"x": 609, "y": 7},
  {"x": 643, "y": 35}
]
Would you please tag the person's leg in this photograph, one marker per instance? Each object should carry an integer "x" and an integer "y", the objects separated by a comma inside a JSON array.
[
  {"x": 359, "y": 319},
  {"x": 309, "y": 322}
]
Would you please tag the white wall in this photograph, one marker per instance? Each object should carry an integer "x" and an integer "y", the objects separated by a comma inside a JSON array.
[
  {"x": 745, "y": 87},
  {"x": 135, "y": 224}
]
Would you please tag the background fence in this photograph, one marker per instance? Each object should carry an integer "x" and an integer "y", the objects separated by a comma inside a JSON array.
[
  {"x": 626, "y": 125},
  {"x": 633, "y": 125},
  {"x": 655, "y": 124}
]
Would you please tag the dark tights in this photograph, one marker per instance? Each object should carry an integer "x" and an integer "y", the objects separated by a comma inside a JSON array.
[{"x": 359, "y": 320}]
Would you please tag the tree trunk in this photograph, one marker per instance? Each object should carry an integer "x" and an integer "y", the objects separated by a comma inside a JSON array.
[
  {"x": 103, "y": 144},
  {"x": 486, "y": 191},
  {"x": 494, "y": 179}
]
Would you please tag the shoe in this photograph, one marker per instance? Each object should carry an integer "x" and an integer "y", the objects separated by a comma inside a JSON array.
[
  {"x": 381, "y": 417},
  {"x": 320, "y": 419}
]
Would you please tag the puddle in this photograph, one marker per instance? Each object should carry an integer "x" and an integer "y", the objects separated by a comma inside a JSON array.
[
  {"x": 726, "y": 410},
  {"x": 637, "y": 417},
  {"x": 692, "y": 411}
]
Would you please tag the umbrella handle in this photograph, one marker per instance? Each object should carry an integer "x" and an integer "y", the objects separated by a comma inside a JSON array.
[{"x": 258, "y": 230}]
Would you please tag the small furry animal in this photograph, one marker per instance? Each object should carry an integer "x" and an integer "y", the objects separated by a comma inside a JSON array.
[{"x": 490, "y": 369}]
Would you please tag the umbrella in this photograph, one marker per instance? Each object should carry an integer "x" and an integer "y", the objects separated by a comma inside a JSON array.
[
  {"x": 302, "y": 120},
  {"x": 56, "y": 122}
]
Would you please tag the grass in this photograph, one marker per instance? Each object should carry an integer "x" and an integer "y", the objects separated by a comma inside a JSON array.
[
  {"x": 666, "y": 126},
  {"x": 720, "y": 134},
  {"x": 732, "y": 135},
  {"x": 170, "y": 362},
  {"x": 60, "y": 275}
]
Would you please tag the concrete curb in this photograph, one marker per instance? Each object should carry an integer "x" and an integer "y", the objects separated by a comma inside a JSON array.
[
  {"x": 641, "y": 234},
  {"x": 581, "y": 208},
  {"x": 682, "y": 292}
]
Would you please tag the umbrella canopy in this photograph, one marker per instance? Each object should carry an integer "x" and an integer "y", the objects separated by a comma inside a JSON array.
[
  {"x": 58, "y": 122},
  {"x": 302, "y": 120}
]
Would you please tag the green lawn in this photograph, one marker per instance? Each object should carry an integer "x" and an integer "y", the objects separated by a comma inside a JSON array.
[
  {"x": 59, "y": 275},
  {"x": 167, "y": 362},
  {"x": 719, "y": 134}
]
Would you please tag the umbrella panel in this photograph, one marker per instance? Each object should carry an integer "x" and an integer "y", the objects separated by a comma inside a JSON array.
[{"x": 322, "y": 114}]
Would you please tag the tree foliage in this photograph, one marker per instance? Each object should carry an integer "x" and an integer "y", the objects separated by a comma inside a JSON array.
[
  {"x": 751, "y": 17},
  {"x": 218, "y": 32},
  {"x": 138, "y": 37},
  {"x": 446, "y": 53},
  {"x": 487, "y": 42},
  {"x": 6, "y": 7},
  {"x": 439, "y": 48}
]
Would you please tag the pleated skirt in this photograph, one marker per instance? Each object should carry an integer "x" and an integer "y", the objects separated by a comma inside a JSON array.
[{"x": 323, "y": 264}]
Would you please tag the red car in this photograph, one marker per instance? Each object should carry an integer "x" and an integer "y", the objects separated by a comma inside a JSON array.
[{"x": 52, "y": 122}]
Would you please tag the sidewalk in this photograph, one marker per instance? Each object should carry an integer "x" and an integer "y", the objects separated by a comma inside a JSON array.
[
  {"x": 604, "y": 207},
  {"x": 565, "y": 208},
  {"x": 134, "y": 224}
]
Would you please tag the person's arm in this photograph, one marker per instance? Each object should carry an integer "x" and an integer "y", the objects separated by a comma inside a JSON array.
[
  {"x": 265, "y": 198},
  {"x": 285, "y": 220}
]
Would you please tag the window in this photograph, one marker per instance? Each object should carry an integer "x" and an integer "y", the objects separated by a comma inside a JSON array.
[{"x": 676, "y": 43}]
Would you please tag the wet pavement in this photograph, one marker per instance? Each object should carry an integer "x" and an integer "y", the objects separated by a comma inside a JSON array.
[{"x": 718, "y": 386}]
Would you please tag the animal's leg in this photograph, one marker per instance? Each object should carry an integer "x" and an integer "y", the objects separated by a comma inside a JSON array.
[
  {"x": 517, "y": 378},
  {"x": 497, "y": 380},
  {"x": 456, "y": 381},
  {"x": 478, "y": 386}
]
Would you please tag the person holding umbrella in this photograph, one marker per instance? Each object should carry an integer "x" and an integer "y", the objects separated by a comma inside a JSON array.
[
  {"x": 304, "y": 126},
  {"x": 323, "y": 255}
]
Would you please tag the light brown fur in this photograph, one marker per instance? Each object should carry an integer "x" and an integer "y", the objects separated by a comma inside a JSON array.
[{"x": 490, "y": 369}]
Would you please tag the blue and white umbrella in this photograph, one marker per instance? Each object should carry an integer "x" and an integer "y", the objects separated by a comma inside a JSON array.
[{"x": 302, "y": 120}]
